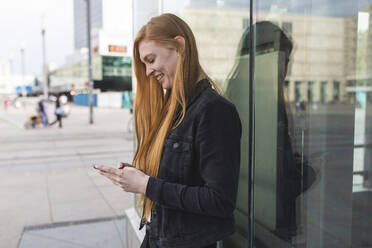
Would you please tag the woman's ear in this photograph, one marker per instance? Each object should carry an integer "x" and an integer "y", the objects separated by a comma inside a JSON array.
[{"x": 181, "y": 42}]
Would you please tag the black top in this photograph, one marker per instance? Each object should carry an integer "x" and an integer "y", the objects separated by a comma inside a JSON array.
[
  {"x": 41, "y": 106},
  {"x": 196, "y": 189}
]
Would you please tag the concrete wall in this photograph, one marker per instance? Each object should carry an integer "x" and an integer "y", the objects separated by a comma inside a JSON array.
[
  {"x": 109, "y": 99},
  {"x": 134, "y": 236}
]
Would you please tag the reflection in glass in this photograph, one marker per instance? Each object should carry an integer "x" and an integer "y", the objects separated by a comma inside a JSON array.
[
  {"x": 297, "y": 91},
  {"x": 323, "y": 92},
  {"x": 237, "y": 91},
  {"x": 218, "y": 26},
  {"x": 329, "y": 125},
  {"x": 336, "y": 91},
  {"x": 287, "y": 27},
  {"x": 281, "y": 169},
  {"x": 310, "y": 91}
]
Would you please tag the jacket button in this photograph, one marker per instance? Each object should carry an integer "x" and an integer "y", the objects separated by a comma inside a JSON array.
[
  {"x": 153, "y": 211},
  {"x": 176, "y": 145}
]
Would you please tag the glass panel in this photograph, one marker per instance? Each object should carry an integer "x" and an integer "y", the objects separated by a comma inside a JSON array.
[
  {"x": 336, "y": 91},
  {"x": 287, "y": 27},
  {"x": 220, "y": 31},
  {"x": 310, "y": 92},
  {"x": 323, "y": 92},
  {"x": 313, "y": 125},
  {"x": 297, "y": 91}
]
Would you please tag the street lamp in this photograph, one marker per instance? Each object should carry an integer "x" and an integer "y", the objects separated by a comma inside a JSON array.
[
  {"x": 23, "y": 66},
  {"x": 11, "y": 59},
  {"x": 161, "y": 6},
  {"x": 23, "y": 60},
  {"x": 45, "y": 71},
  {"x": 89, "y": 64}
]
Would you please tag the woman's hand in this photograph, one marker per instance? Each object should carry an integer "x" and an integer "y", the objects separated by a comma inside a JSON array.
[{"x": 127, "y": 177}]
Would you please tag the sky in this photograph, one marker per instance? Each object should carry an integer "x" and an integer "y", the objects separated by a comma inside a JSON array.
[{"x": 20, "y": 24}]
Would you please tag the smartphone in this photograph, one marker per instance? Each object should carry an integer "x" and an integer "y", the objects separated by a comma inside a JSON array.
[{"x": 123, "y": 165}]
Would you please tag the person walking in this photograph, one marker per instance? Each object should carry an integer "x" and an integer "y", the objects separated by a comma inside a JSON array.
[
  {"x": 42, "y": 113},
  {"x": 58, "y": 112},
  {"x": 187, "y": 162},
  {"x": 6, "y": 101}
]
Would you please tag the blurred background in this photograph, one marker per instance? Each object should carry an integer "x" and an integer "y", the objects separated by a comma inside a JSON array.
[{"x": 298, "y": 72}]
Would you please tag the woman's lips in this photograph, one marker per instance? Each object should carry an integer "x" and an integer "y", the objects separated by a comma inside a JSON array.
[{"x": 160, "y": 76}]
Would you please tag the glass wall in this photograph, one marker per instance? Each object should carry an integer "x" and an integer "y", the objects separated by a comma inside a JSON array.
[
  {"x": 309, "y": 145},
  {"x": 312, "y": 145}
]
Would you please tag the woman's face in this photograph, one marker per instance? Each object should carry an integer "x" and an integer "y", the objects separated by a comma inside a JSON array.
[{"x": 160, "y": 62}]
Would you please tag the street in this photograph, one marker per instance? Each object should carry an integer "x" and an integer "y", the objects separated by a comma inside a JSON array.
[{"x": 46, "y": 174}]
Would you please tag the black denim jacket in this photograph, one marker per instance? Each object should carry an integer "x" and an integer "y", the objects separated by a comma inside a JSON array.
[{"x": 196, "y": 189}]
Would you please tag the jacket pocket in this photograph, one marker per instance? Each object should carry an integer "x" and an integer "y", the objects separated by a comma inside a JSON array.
[{"x": 177, "y": 154}]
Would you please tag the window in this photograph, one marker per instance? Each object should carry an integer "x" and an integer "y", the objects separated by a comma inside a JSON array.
[
  {"x": 310, "y": 91},
  {"x": 336, "y": 90},
  {"x": 287, "y": 26},
  {"x": 311, "y": 159},
  {"x": 245, "y": 23},
  {"x": 323, "y": 92},
  {"x": 297, "y": 91}
]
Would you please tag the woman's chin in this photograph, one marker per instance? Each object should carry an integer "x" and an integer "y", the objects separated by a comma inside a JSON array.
[{"x": 164, "y": 85}]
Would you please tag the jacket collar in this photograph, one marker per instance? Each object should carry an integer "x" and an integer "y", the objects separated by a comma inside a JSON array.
[
  {"x": 194, "y": 95},
  {"x": 197, "y": 90}
]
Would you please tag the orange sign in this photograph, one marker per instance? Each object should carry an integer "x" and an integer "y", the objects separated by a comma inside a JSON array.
[{"x": 117, "y": 49}]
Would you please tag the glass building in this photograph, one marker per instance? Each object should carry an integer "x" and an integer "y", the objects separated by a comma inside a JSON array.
[
  {"x": 80, "y": 21},
  {"x": 299, "y": 73}
]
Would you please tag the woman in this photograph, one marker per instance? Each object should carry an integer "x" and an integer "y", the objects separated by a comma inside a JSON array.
[{"x": 186, "y": 166}]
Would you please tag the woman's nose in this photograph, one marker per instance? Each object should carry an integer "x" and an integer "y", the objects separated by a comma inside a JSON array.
[{"x": 149, "y": 71}]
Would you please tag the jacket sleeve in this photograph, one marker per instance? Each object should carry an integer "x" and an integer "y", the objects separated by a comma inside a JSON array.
[{"x": 217, "y": 144}]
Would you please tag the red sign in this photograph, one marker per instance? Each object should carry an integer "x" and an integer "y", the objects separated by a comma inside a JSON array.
[{"x": 117, "y": 49}]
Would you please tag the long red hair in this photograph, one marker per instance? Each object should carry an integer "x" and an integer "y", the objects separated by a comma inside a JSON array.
[{"x": 155, "y": 108}]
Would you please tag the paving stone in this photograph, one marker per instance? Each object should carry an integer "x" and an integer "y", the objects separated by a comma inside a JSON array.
[{"x": 105, "y": 234}]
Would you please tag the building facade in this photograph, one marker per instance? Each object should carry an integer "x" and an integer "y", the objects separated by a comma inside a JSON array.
[
  {"x": 12, "y": 84},
  {"x": 5, "y": 86},
  {"x": 111, "y": 46}
]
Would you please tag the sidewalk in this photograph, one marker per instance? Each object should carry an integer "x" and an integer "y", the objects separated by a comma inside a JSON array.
[
  {"x": 78, "y": 121},
  {"x": 77, "y": 234},
  {"x": 48, "y": 187},
  {"x": 55, "y": 196}
]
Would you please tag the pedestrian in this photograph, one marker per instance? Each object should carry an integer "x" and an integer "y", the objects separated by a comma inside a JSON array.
[
  {"x": 58, "y": 112},
  {"x": 187, "y": 162},
  {"x": 42, "y": 112},
  {"x": 45, "y": 106},
  {"x": 6, "y": 103}
]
